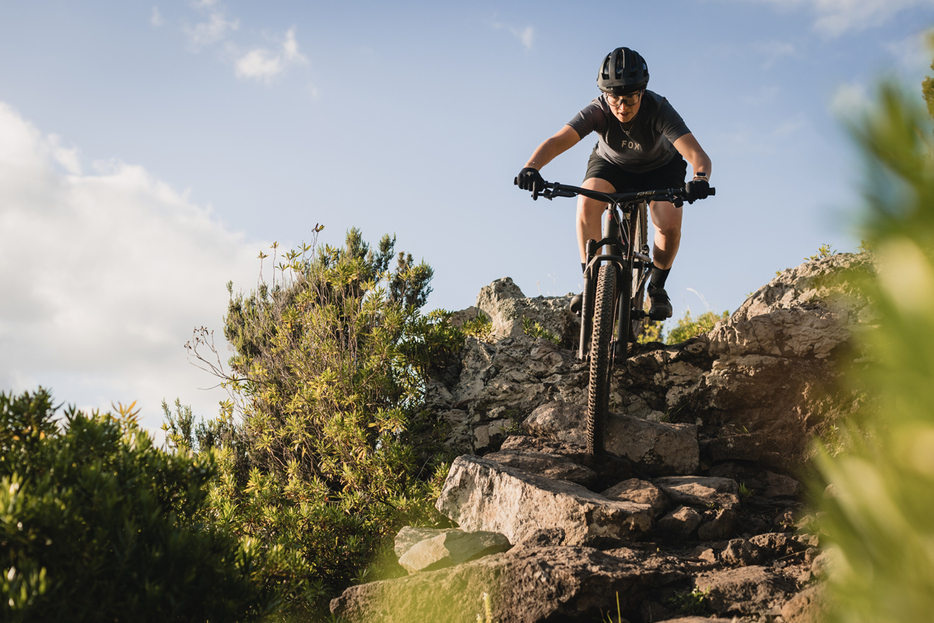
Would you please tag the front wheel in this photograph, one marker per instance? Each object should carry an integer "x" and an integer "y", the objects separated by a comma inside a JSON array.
[{"x": 601, "y": 358}]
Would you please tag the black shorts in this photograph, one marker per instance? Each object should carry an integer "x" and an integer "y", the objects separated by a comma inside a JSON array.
[{"x": 670, "y": 175}]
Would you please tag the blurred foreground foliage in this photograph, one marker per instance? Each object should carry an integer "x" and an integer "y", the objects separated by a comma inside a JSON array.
[
  {"x": 97, "y": 524},
  {"x": 880, "y": 500},
  {"x": 325, "y": 450}
]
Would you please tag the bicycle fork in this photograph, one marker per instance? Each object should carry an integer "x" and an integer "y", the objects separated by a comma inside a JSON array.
[{"x": 611, "y": 234}]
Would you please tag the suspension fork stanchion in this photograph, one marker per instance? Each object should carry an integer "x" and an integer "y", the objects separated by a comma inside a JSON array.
[
  {"x": 590, "y": 284},
  {"x": 612, "y": 230}
]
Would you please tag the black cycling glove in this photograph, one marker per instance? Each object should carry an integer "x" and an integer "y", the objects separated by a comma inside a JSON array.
[
  {"x": 696, "y": 189},
  {"x": 530, "y": 179}
]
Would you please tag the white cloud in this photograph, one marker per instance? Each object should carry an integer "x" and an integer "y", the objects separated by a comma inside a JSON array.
[
  {"x": 155, "y": 18},
  {"x": 850, "y": 101},
  {"x": 263, "y": 64},
  {"x": 913, "y": 53},
  {"x": 103, "y": 277},
  {"x": 836, "y": 17},
  {"x": 526, "y": 35},
  {"x": 260, "y": 64},
  {"x": 216, "y": 28}
]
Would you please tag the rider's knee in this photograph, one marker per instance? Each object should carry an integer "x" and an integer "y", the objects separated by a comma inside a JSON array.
[
  {"x": 669, "y": 230},
  {"x": 590, "y": 209}
]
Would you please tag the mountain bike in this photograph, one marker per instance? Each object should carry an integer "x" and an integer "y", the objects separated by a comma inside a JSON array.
[{"x": 615, "y": 278}]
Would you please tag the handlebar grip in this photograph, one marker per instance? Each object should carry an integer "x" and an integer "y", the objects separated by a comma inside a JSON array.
[
  {"x": 713, "y": 191},
  {"x": 515, "y": 181}
]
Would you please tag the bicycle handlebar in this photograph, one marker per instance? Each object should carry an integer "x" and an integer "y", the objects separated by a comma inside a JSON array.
[{"x": 554, "y": 189}]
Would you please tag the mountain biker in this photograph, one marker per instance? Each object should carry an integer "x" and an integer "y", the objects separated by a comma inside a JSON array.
[{"x": 642, "y": 145}]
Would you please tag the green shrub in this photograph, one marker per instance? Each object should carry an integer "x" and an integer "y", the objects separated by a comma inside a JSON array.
[
  {"x": 880, "y": 505},
  {"x": 96, "y": 524},
  {"x": 689, "y": 327},
  {"x": 480, "y": 327},
  {"x": 325, "y": 450},
  {"x": 534, "y": 329}
]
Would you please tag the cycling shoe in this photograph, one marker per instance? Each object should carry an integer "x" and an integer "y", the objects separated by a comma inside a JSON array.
[
  {"x": 661, "y": 305},
  {"x": 577, "y": 302}
]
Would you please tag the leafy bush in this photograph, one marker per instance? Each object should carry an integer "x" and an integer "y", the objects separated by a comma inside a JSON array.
[
  {"x": 881, "y": 499},
  {"x": 534, "y": 329},
  {"x": 96, "y": 524},
  {"x": 479, "y": 327},
  {"x": 325, "y": 451},
  {"x": 689, "y": 327}
]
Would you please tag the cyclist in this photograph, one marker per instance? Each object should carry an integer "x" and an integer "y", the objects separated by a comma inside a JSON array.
[{"x": 642, "y": 145}]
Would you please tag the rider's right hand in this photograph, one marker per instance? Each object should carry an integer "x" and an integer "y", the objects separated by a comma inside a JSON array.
[{"x": 530, "y": 179}]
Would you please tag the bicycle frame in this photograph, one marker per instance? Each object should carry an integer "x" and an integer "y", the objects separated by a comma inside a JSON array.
[{"x": 618, "y": 248}]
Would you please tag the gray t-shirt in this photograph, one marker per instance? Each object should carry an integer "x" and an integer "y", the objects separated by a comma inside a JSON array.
[{"x": 646, "y": 145}]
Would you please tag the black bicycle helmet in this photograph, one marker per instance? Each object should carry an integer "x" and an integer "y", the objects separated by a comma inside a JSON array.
[{"x": 623, "y": 71}]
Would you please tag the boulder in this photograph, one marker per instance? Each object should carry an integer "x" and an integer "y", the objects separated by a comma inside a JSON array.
[
  {"x": 640, "y": 492},
  {"x": 452, "y": 547},
  {"x": 812, "y": 605},
  {"x": 510, "y": 312},
  {"x": 700, "y": 491},
  {"x": 723, "y": 526},
  {"x": 528, "y": 585},
  {"x": 805, "y": 312},
  {"x": 547, "y": 464},
  {"x": 409, "y": 536},
  {"x": 745, "y": 590},
  {"x": 653, "y": 447},
  {"x": 680, "y": 523},
  {"x": 480, "y": 494}
]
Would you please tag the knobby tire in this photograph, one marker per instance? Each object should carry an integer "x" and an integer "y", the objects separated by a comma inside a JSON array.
[{"x": 601, "y": 360}]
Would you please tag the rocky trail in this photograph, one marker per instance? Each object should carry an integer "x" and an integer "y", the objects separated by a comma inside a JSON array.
[{"x": 698, "y": 513}]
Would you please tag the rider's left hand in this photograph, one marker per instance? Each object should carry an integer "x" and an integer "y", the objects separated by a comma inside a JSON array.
[{"x": 696, "y": 189}]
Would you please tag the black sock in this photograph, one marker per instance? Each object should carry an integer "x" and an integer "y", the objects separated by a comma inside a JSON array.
[
  {"x": 659, "y": 276},
  {"x": 583, "y": 266}
]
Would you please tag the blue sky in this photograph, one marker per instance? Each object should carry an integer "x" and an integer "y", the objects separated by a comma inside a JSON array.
[{"x": 150, "y": 151}]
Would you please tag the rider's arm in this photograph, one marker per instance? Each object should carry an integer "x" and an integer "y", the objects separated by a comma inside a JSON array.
[
  {"x": 688, "y": 147},
  {"x": 565, "y": 139}
]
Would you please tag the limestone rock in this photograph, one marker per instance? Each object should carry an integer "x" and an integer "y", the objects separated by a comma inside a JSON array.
[
  {"x": 545, "y": 464},
  {"x": 653, "y": 447},
  {"x": 527, "y": 585},
  {"x": 480, "y": 494},
  {"x": 777, "y": 545},
  {"x": 781, "y": 486},
  {"x": 681, "y": 522},
  {"x": 741, "y": 553},
  {"x": 700, "y": 491},
  {"x": 721, "y": 527},
  {"x": 509, "y": 309},
  {"x": 807, "y": 311},
  {"x": 452, "y": 547},
  {"x": 640, "y": 492},
  {"x": 563, "y": 421},
  {"x": 409, "y": 536},
  {"x": 746, "y": 590},
  {"x": 809, "y": 606}
]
